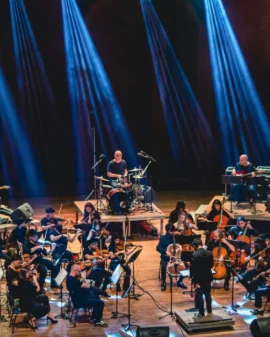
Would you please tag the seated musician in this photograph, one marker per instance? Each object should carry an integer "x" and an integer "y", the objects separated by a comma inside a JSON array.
[
  {"x": 31, "y": 247},
  {"x": 117, "y": 167},
  {"x": 29, "y": 300},
  {"x": 90, "y": 214},
  {"x": 3, "y": 251},
  {"x": 250, "y": 279},
  {"x": 238, "y": 230},
  {"x": 85, "y": 295},
  {"x": 180, "y": 207},
  {"x": 98, "y": 272},
  {"x": 183, "y": 224},
  {"x": 18, "y": 234},
  {"x": 241, "y": 191},
  {"x": 216, "y": 208},
  {"x": 117, "y": 254},
  {"x": 98, "y": 233},
  {"x": 61, "y": 240},
  {"x": 201, "y": 265},
  {"x": 164, "y": 242},
  {"x": 218, "y": 240},
  {"x": 259, "y": 293},
  {"x": 12, "y": 276},
  {"x": 47, "y": 222}
]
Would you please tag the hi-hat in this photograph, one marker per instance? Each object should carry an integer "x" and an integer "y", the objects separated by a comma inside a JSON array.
[
  {"x": 138, "y": 177},
  {"x": 101, "y": 178},
  {"x": 135, "y": 169}
]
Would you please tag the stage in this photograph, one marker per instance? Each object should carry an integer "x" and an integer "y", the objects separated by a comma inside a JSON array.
[{"x": 144, "y": 312}]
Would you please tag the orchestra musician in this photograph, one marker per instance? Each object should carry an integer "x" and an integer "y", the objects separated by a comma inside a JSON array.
[
  {"x": 3, "y": 250},
  {"x": 184, "y": 223},
  {"x": 201, "y": 265},
  {"x": 61, "y": 240},
  {"x": 216, "y": 209},
  {"x": 98, "y": 233},
  {"x": 117, "y": 167},
  {"x": 12, "y": 276},
  {"x": 89, "y": 214},
  {"x": 85, "y": 295},
  {"x": 259, "y": 293},
  {"x": 180, "y": 207},
  {"x": 242, "y": 224},
  {"x": 29, "y": 300},
  {"x": 31, "y": 247},
  {"x": 98, "y": 272},
  {"x": 48, "y": 221},
  {"x": 218, "y": 240},
  {"x": 18, "y": 234},
  {"x": 241, "y": 191},
  {"x": 250, "y": 279},
  {"x": 117, "y": 253},
  {"x": 164, "y": 242}
]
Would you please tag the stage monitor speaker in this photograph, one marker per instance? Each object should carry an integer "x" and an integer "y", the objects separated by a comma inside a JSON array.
[
  {"x": 267, "y": 204},
  {"x": 161, "y": 331},
  {"x": 260, "y": 327},
  {"x": 24, "y": 212}
]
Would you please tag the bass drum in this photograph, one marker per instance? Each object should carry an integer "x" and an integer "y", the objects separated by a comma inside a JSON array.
[{"x": 117, "y": 201}]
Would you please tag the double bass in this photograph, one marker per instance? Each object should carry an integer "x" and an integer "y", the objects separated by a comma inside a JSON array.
[{"x": 175, "y": 264}]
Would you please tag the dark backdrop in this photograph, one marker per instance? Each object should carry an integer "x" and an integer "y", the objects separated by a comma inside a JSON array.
[{"x": 118, "y": 32}]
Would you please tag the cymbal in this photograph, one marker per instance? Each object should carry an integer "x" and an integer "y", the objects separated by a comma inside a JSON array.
[
  {"x": 138, "y": 177},
  {"x": 101, "y": 178},
  {"x": 135, "y": 169},
  {"x": 106, "y": 186}
]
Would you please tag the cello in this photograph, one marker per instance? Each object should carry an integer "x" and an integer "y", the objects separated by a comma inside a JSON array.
[
  {"x": 175, "y": 264},
  {"x": 221, "y": 219},
  {"x": 219, "y": 254}
]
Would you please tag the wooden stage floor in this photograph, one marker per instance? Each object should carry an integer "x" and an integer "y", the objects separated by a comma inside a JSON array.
[{"x": 144, "y": 312}]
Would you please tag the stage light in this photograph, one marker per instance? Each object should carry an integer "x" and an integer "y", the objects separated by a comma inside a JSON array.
[
  {"x": 185, "y": 120},
  {"x": 90, "y": 90},
  {"x": 243, "y": 124}
]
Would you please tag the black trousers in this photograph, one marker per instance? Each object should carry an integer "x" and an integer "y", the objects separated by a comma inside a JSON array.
[
  {"x": 57, "y": 254},
  {"x": 99, "y": 275},
  {"x": 49, "y": 265},
  {"x": 38, "y": 308},
  {"x": 204, "y": 289},
  {"x": 96, "y": 304}
]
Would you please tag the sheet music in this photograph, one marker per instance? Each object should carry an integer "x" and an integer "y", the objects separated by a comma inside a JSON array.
[
  {"x": 116, "y": 274},
  {"x": 61, "y": 276}
]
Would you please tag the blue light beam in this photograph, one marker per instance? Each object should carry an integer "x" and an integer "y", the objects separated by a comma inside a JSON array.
[
  {"x": 186, "y": 123},
  {"x": 242, "y": 120},
  {"x": 90, "y": 90}
]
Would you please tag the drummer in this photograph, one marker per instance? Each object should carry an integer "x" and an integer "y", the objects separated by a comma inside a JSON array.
[{"x": 117, "y": 168}]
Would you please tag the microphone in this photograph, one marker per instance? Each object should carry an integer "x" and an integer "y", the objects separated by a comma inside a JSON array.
[
  {"x": 101, "y": 156},
  {"x": 141, "y": 155}
]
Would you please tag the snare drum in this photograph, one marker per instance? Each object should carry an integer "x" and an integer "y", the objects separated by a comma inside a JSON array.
[{"x": 117, "y": 201}]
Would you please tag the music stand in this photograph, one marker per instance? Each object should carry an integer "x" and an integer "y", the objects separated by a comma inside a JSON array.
[
  {"x": 132, "y": 259},
  {"x": 208, "y": 227},
  {"x": 127, "y": 293},
  {"x": 59, "y": 281},
  {"x": 114, "y": 280},
  {"x": 237, "y": 245}
]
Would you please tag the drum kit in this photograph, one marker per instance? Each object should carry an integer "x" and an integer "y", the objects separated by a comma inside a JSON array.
[{"x": 123, "y": 195}]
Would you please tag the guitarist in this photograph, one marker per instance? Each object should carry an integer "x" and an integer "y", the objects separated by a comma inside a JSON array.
[{"x": 241, "y": 191}]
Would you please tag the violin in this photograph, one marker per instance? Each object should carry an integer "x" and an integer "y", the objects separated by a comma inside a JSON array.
[
  {"x": 69, "y": 230},
  {"x": 101, "y": 253},
  {"x": 219, "y": 254}
]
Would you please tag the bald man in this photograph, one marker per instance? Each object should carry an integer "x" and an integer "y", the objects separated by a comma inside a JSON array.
[
  {"x": 117, "y": 167},
  {"x": 242, "y": 191}
]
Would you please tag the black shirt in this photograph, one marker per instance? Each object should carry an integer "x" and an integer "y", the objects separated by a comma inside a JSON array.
[
  {"x": 235, "y": 231},
  {"x": 214, "y": 213},
  {"x": 18, "y": 234},
  {"x": 27, "y": 294},
  {"x": 211, "y": 244},
  {"x": 164, "y": 242},
  {"x": 201, "y": 264},
  {"x": 174, "y": 216},
  {"x": 28, "y": 245},
  {"x": 244, "y": 169},
  {"x": 117, "y": 168},
  {"x": 12, "y": 275},
  {"x": 63, "y": 240},
  {"x": 78, "y": 294}
]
